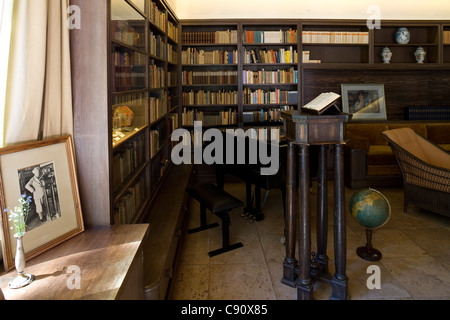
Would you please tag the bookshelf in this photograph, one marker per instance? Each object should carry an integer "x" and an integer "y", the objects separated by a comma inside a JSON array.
[
  {"x": 425, "y": 35},
  {"x": 338, "y": 42},
  {"x": 209, "y": 74},
  {"x": 144, "y": 76},
  {"x": 270, "y": 73},
  {"x": 238, "y": 74},
  {"x": 127, "y": 106}
]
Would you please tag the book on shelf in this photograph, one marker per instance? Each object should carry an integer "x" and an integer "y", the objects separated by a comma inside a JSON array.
[
  {"x": 289, "y": 76},
  {"x": 271, "y": 56},
  {"x": 446, "y": 35},
  {"x": 172, "y": 31},
  {"x": 202, "y": 97},
  {"x": 326, "y": 102},
  {"x": 211, "y": 118},
  {"x": 306, "y": 57},
  {"x": 277, "y": 96},
  {"x": 157, "y": 16},
  {"x": 280, "y": 36},
  {"x": 209, "y": 77},
  {"x": 195, "y": 56},
  {"x": 217, "y": 37},
  {"x": 336, "y": 37}
]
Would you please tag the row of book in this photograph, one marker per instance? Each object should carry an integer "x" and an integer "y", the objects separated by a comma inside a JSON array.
[
  {"x": 172, "y": 31},
  {"x": 157, "y": 17},
  {"x": 441, "y": 113},
  {"x": 130, "y": 156},
  {"x": 194, "y": 56},
  {"x": 157, "y": 77},
  {"x": 172, "y": 78},
  {"x": 132, "y": 100},
  {"x": 128, "y": 59},
  {"x": 260, "y": 134},
  {"x": 306, "y": 57},
  {"x": 276, "y": 96},
  {"x": 281, "y": 36},
  {"x": 172, "y": 54},
  {"x": 157, "y": 46},
  {"x": 158, "y": 107},
  {"x": 202, "y": 97},
  {"x": 446, "y": 35},
  {"x": 271, "y": 56},
  {"x": 218, "y": 37},
  {"x": 173, "y": 122},
  {"x": 210, "y": 77},
  {"x": 127, "y": 78},
  {"x": 270, "y": 77},
  {"x": 154, "y": 142},
  {"x": 345, "y": 37},
  {"x": 130, "y": 203},
  {"x": 122, "y": 32},
  {"x": 217, "y": 118},
  {"x": 263, "y": 115}
]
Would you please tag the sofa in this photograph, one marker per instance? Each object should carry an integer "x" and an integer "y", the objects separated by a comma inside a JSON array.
[{"x": 368, "y": 159}]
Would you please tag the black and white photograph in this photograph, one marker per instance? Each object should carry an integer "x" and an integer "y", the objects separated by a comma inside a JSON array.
[
  {"x": 39, "y": 182},
  {"x": 44, "y": 173}
]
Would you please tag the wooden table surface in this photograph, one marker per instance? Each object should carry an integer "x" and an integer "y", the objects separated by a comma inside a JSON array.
[{"x": 103, "y": 255}]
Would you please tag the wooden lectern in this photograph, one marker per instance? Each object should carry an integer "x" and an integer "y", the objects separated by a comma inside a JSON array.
[{"x": 302, "y": 131}]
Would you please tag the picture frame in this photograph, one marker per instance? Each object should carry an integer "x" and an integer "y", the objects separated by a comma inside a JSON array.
[
  {"x": 364, "y": 101},
  {"x": 55, "y": 213}
]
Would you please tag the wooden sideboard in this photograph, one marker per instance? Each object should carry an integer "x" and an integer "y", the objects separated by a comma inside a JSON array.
[{"x": 109, "y": 261}]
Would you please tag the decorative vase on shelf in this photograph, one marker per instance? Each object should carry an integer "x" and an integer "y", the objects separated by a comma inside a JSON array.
[
  {"x": 403, "y": 36},
  {"x": 420, "y": 55},
  {"x": 22, "y": 279},
  {"x": 386, "y": 54}
]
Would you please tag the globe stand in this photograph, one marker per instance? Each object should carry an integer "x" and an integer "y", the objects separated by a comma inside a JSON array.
[{"x": 368, "y": 252}]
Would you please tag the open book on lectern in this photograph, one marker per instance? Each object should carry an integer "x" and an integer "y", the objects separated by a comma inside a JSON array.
[{"x": 326, "y": 102}]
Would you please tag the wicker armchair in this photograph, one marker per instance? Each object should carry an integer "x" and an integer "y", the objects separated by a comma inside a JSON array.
[{"x": 425, "y": 168}]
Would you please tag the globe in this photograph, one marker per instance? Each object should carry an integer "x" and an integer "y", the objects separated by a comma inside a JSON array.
[{"x": 370, "y": 208}]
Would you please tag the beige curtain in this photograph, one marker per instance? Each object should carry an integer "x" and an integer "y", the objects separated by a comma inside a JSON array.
[{"x": 38, "y": 95}]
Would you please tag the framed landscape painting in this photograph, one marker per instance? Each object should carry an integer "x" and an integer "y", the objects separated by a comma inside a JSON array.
[
  {"x": 364, "y": 101},
  {"x": 44, "y": 172}
]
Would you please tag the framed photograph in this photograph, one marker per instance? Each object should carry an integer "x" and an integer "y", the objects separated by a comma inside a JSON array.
[
  {"x": 364, "y": 101},
  {"x": 44, "y": 171}
]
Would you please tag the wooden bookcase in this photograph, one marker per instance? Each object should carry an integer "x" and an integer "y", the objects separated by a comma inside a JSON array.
[
  {"x": 126, "y": 108},
  {"x": 226, "y": 57},
  {"x": 209, "y": 74},
  {"x": 153, "y": 98}
]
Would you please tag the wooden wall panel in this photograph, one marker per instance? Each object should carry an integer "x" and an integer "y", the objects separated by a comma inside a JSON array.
[{"x": 403, "y": 87}]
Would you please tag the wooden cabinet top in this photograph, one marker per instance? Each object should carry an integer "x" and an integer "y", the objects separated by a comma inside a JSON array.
[{"x": 103, "y": 255}]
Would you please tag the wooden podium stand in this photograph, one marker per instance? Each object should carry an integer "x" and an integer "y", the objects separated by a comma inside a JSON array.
[{"x": 302, "y": 131}]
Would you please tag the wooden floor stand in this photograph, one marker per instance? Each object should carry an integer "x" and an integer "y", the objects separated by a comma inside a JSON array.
[{"x": 302, "y": 132}]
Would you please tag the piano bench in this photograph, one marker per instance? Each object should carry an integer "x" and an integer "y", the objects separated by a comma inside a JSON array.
[{"x": 219, "y": 203}]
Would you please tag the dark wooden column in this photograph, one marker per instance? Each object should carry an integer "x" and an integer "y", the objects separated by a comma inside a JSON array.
[
  {"x": 304, "y": 283},
  {"x": 340, "y": 279},
  {"x": 290, "y": 262},
  {"x": 322, "y": 212}
]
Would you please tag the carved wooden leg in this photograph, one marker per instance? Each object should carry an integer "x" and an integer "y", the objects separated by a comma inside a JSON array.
[
  {"x": 290, "y": 263},
  {"x": 304, "y": 282},
  {"x": 322, "y": 214},
  {"x": 340, "y": 279}
]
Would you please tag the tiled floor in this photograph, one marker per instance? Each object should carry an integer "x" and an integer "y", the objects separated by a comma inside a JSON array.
[{"x": 415, "y": 263}]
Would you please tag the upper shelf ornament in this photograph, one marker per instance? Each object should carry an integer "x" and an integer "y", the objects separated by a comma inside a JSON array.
[{"x": 403, "y": 36}]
